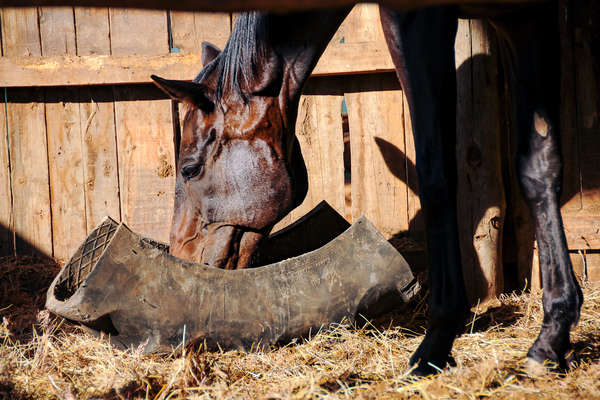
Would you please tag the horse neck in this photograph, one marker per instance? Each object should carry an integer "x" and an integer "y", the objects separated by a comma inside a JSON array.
[{"x": 300, "y": 39}]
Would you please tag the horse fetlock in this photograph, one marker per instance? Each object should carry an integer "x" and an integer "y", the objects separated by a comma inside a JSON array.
[
  {"x": 433, "y": 354},
  {"x": 565, "y": 310}
]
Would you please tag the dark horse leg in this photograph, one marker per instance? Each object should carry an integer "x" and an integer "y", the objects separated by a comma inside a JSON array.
[
  {"x": 531, "y": 44},
  {"x": 422, "y": 47}
]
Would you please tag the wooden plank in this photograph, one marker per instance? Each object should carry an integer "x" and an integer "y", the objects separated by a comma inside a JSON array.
[
  {"x": 190, "y": 29},
  {"x": 571, "y": 183},
  {"x": 93, "y": 31},
  {"x": 97, "y": 120},
  {"x": 27, "y": 139},
  {"x": 320, "y": 134},
  {"x": 6, "y": 228},
  {"x": 57, "y": 34},
  {"x": 96, "y": 70},
  {"x": 20, "y": 33},
  {"x": 588, "y": 103},
  {"x": 144, "y": 129},
  {"x": 117, "y": 70},
  {"x": 582, "y": 232},
  {"x": 592, "y": 261},
  {"x": 29, "y": 168},
  {"x": 377, "y": 151},
  {"x": 138, "y": 32},
  {"x": 482, "y": 206},
  {"x": 358, "y": 46},
  {"x": 416, "y": 222},
  {"x": 57, "y": 31},
  {"x": 240, "y": 5},
  {"x": 66, "y": 170},
  {"x": 99, "y": 155}
]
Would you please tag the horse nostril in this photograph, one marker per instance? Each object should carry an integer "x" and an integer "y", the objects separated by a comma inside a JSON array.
[{"x": 192, "y": 170}]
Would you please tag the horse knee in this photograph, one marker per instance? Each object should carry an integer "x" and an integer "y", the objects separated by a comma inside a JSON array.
[{"x": 539, "y": 162}]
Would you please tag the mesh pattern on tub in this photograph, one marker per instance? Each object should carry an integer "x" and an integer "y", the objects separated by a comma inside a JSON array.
[{"x": 84, "y": 259}]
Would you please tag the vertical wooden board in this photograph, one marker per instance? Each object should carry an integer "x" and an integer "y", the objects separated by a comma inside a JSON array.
[
  {"x": 320, "y": 134},
  {"x": 190, "y": 29},
  {"x": 592, "y": 261},
  {"x": 97, "y": 120},
  {"x": 93, "y": 31},
  {"x": 144, "y": 129},
  {"x": 20, "y": 33},
  {"x": 99, "y": 147},
  {"x": 484, "y": 165},
  {"x": 416, "y": 222},
  {"x": 57, "y": 34},
  {"x": 6, "y": 229},
  {"x": 571, "y": 184},
  {"x": 29, "y": 168},
  {"x": 361, "y": 25},
  {"x": 588, "y": 102},
  {"x": 319, "y": 131},
  {"x": 57, "y": 31},
  {"x": 66, "y": 170},
  {"x": 146, "y": 161},
  {"x": 378, "y": 164},
  {"x": 135, "y": 31},
  {"x": 27, "y": 140}
]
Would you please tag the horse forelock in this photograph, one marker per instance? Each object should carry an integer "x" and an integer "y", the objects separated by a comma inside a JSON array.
[{"x": 235, "y": 67}]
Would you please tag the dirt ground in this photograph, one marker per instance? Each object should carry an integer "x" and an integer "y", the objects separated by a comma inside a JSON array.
[{"x": 45, "y": 357}]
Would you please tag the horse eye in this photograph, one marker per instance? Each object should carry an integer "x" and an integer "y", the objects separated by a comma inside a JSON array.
[{"x": 191, "y": 170}]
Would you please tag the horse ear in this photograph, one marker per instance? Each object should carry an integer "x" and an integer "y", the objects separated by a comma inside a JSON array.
[
  {"x": 189, "y": 92},
  {"x": 209, "y": 52}
]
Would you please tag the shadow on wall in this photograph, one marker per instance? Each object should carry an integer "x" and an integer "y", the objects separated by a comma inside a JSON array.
[
  {"x": 12, "y": 244},
  {"x": 517, "y": 240}
]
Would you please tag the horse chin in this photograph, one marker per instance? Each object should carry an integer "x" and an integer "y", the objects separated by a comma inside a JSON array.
[{"x": 220, "y": 245}]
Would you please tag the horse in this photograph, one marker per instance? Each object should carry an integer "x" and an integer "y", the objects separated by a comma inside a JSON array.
[{"x": 240, "y": 168}]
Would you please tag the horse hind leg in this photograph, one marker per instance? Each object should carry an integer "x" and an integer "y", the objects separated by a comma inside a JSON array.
[
  {"x": 422, "y": 47},
  {"x": 532, "y": 42}
]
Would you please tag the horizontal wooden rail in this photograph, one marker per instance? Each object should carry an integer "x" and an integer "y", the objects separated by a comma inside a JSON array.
[
  {"x": 242, "y": 5},
  {"x": 132, "y": 69}
]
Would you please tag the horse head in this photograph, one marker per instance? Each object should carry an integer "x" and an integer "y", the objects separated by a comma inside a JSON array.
[{"x": 239, "y": 167}]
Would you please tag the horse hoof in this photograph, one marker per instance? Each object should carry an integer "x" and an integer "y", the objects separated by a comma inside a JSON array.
[{"x": 535, "y": 369}]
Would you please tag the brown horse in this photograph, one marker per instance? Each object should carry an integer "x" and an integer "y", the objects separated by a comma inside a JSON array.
[{"x": 240, "y": 168}]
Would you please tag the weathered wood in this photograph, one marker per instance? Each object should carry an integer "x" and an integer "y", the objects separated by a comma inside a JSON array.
[
  {"x": 571, "y": 183},
  {"x": 588, "y": 103},
  {"x": 190, "y": 29},
  {"x": 144, "y": 129},
  {"x": 241, "y": 5},
  {"x": 135, "y": 69},
  {"x": 320, "y": 134},
  {"x": 93, "y": 31},
  {"x": 6, "y": 228},
  {"x": 27, "y": 139},
  {"x": 377, "y": 149},
  {"x": 97, "y": 121},
  {"x": 57, "y": 31},
  {"x": 96, "y": 70},
  {"x": 416, "y": 222},
  {"x": 57, "y": 34},
  {"x": 482, "y": 206}
]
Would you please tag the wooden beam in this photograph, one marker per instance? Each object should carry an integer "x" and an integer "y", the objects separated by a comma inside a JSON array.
[
  {"x": 243, "y": 5},
  {"x": 133, "y": 69},
  {"x": 95, "y": 70}
]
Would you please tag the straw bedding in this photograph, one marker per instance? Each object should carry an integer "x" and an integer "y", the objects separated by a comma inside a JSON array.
[{"x": 44, "y": 357}]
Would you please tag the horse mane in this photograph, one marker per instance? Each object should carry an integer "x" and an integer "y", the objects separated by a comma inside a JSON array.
[{"x": 237, "y": 64}]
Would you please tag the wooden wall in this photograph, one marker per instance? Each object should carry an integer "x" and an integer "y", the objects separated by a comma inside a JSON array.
[{"x": 84, "y": 134}]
